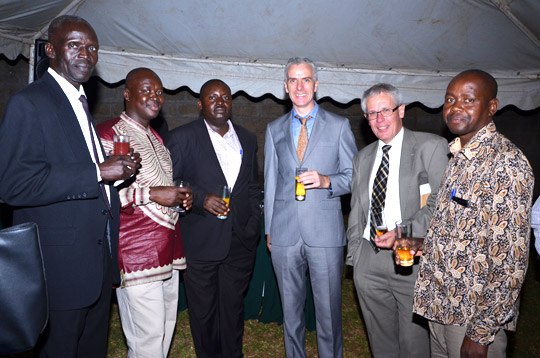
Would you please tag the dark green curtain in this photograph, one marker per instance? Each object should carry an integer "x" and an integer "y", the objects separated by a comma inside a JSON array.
[{"x": 265, "y": 308}]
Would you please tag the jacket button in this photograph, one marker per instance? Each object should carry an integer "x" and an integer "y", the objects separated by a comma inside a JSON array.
[
  {"x": 100, "y": 242},
  {"x": 104, "y": 211}
]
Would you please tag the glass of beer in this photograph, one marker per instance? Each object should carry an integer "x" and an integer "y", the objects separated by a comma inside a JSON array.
[
  {"x": 225, "y": 193},
  {"x": 379, "y": 221},
  {"x": 121, "y": 144},
  {"x": 404, "y": 236},
  {"x": 300, "y": 191}
]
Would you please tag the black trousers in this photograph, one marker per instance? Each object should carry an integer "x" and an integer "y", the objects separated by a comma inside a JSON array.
[
  {"x": 80, "y": 333},
  {"x": 215, "y": 293}
]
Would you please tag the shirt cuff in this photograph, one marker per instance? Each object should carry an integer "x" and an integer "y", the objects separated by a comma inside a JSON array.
[{"x": 142, "y": 196}]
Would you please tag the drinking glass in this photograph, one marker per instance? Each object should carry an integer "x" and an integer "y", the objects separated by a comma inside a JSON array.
[
  {"x": 404, "y": 236},
  {"x": 379, "y": 221},
  {"x": 225, "y": 194},
  {"x": 121, "y": 144},
  {"x": 181, "y": 184},
  {"x": 300, "y": 191}
]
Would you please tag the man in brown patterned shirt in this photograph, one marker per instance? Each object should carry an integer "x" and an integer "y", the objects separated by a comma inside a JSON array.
[{"x": 476, "y": 249}]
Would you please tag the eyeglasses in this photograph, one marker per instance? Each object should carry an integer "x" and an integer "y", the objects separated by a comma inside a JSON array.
[{"x": 387, "y": 112}]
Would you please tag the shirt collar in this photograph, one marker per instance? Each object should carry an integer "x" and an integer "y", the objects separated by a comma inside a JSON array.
[
  {"x": 70, "y": 90},
  {"x": 313, "y": 113},
  {"x": 133, "y": 122},
  {"x": 472, "y": 148},
  {"x": 395, "y": 142},
  {"x": 229, "y": 133}
]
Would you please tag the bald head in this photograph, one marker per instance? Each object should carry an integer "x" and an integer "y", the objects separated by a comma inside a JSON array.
[
  {"x": 485, "y": 79},
  {"x": 134, "y": 76}
]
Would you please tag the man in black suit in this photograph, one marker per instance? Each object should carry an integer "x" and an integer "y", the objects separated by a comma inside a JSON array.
[
  {"x": 53, "y": 171},
  {"x": 210, "y": 153}
]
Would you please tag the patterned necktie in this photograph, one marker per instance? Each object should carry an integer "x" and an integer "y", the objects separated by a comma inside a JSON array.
[
  {"x": 302, "y": 138},
  {"x": 378, "y": 195},
  {"x": 82, "y": 98}
]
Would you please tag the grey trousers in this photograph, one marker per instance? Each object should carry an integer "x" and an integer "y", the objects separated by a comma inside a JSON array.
[
  {"x": 385, "y": 292},
  {"x": 446, "y": 341}
]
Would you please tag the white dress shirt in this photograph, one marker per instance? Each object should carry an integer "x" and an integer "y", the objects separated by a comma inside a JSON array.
[
  {"x": 392, "y": 206},
  {"x": 228, "y": 151},
  {"x": 73, "y": 96}
]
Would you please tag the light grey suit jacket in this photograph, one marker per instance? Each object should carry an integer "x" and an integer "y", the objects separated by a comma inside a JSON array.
[
  {"x": 318, "y": 219},
  {"x": 423, "y": 160}
]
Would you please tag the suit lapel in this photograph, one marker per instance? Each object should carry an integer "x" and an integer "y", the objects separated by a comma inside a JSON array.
[
  {"x": 316, "y": 132},
  {"x": 208, "y": 153},
  {"x": 406, "y": 165},
  {"x": 367, "y": 164},
  {"x": 287, "y": 119},
  {"x": 68, "y": 120},
  {"x": 245, "y": 150}
]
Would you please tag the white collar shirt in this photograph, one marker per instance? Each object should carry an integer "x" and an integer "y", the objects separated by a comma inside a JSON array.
[
  {"x": 392, "y": 207},
  {"x": 228, "y": 151},
  {"x": 73, "y": 95}
]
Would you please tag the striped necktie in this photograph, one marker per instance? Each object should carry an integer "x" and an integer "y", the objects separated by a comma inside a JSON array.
[{"x": 378, "y": 195}]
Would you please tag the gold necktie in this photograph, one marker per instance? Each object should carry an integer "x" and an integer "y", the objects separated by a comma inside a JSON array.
[{"x": 302, "y": 138}]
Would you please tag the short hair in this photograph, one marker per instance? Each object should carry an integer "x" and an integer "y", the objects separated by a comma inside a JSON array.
[
  {"x": 299, "y": 61},
  {"x": 381, "y": 88},
  {"x": 209, "y": 82},
  {"x": 490, "y": 84},
  {"x": 61, "y": 20},
  {"x": 131, "y": 74}
]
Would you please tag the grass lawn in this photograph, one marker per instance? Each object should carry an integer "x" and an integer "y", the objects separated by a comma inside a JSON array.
[{"x": 266, "y": 340}]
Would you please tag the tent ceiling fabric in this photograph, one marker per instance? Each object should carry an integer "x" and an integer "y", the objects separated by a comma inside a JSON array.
[{"x": 417, "y": 46}]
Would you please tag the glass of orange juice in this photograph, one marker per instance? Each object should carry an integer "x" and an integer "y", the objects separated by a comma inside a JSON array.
[
  {"x": 226, "y": 197},
  {"x": 300, "y": 191}
]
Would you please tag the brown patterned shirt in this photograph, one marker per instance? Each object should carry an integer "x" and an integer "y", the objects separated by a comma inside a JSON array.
[{"x": 476, "y": 249}]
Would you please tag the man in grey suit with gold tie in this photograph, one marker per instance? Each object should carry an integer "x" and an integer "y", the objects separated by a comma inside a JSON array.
[
  {"x": 415, "y": 163},
  {"x": 308, "y": 234}
]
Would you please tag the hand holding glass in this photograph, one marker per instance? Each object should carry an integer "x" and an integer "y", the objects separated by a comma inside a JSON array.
[
  {"x": 300, "y": 191},
  {"x": 180, "y": 208},
  {"x": 121, "y": 144},
  {"x": 225, "y": 194},
  {"x": 379, "y": 221}
]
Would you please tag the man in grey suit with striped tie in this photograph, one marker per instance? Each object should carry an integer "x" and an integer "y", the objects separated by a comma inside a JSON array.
[
  {"x": 308, "y": 234},
  {"x": 399, "y": 174}
]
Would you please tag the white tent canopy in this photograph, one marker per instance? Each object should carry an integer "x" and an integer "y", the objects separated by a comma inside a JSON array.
[{"x": 416, "y": 45}]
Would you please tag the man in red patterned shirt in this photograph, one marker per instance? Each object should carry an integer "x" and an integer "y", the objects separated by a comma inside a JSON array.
[{"x": 150, "y": 248}]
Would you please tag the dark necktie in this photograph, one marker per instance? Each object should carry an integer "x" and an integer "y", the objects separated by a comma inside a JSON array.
[
  {"x": 82, "y": 98},
  {"x": 302, "y": 138},
  {"x": 378, "y": 195}
]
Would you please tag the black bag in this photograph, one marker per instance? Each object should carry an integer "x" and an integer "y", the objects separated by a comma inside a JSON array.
[{"x": 24, "y": 306}]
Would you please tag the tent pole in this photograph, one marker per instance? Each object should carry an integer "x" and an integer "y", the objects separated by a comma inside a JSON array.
[{"x": 503, "y": 6}]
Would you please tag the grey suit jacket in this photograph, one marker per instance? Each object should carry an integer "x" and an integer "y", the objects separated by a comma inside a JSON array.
[
  {"x": 318, "y": 219},
  {"x": 423, "y": 160}
]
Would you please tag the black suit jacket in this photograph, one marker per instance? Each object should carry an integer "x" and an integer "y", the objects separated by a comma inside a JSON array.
[
  {"x": 47, "y": 174},
  {"x": 204, "y": 236}
]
